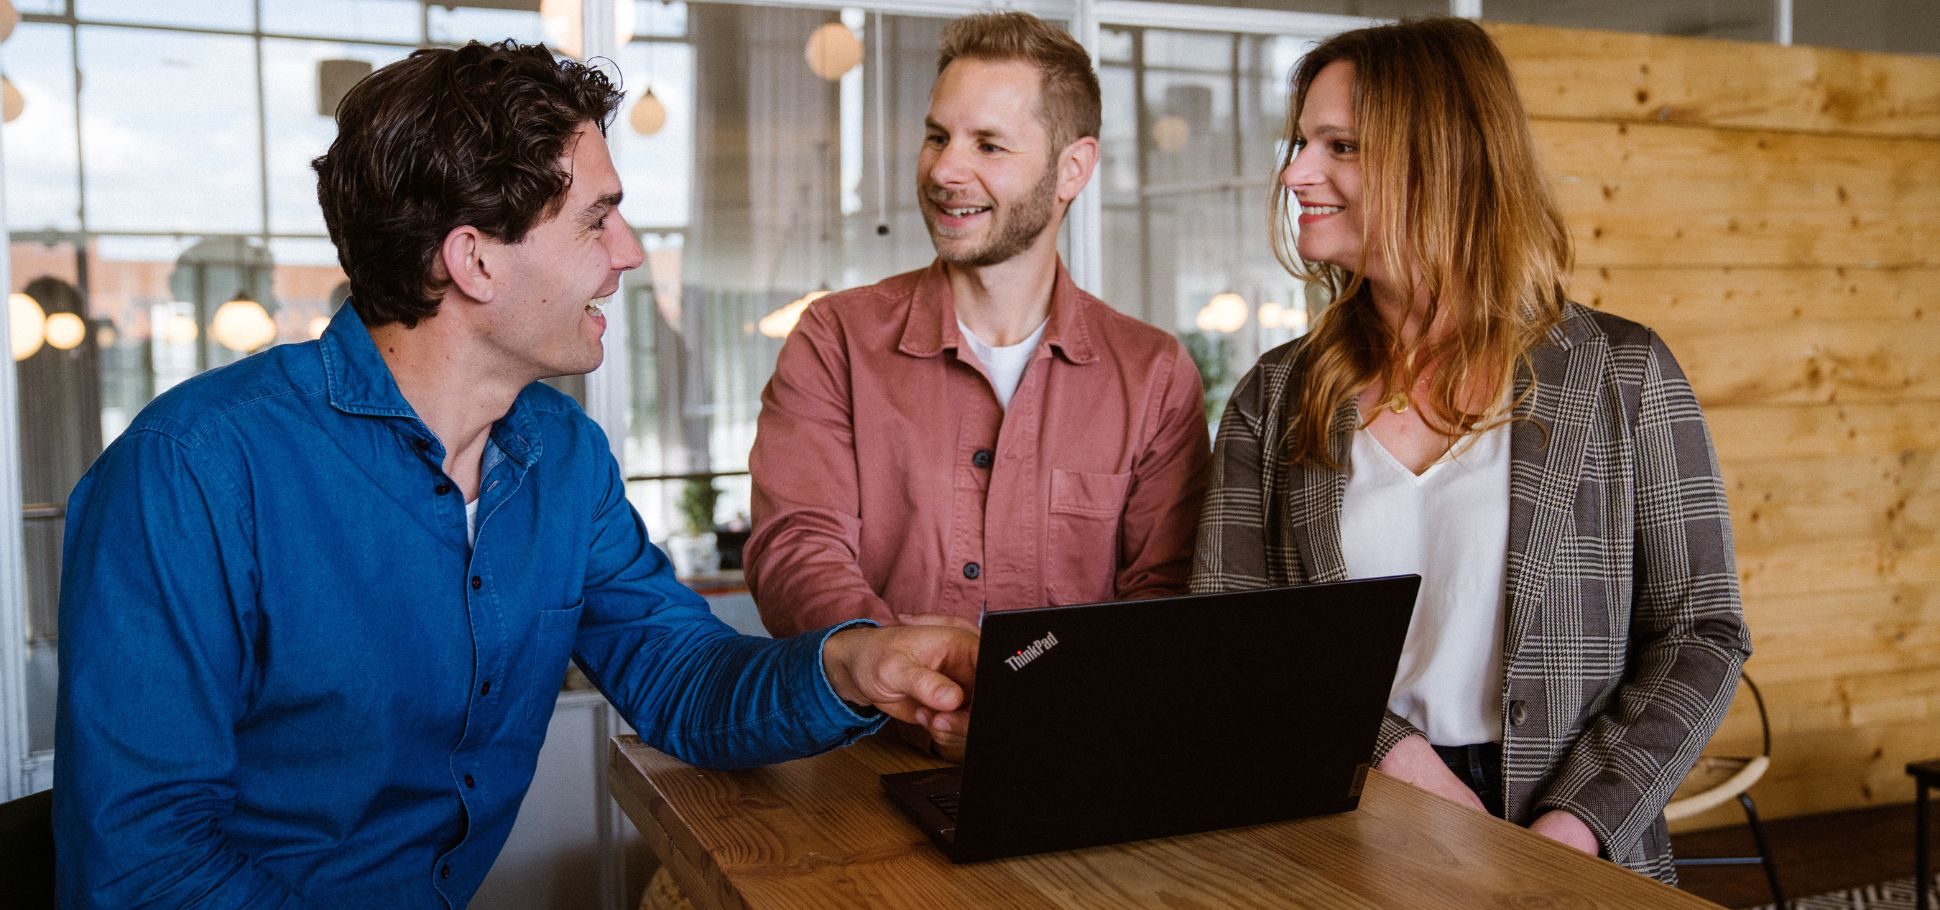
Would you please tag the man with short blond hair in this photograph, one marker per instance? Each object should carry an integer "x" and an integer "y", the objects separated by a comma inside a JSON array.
[{"x": 979, "y": 434}]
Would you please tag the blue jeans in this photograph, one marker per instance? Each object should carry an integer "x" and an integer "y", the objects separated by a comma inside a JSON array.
[{"x": 1480, "y": 767}]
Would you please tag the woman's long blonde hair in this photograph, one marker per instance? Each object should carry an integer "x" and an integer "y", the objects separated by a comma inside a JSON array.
[{"x": 1456, "y": 200}]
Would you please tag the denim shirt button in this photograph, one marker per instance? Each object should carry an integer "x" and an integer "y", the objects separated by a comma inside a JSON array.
[
  {"x": 442, "y": 489},
  {"x": 477, "y": 582}
]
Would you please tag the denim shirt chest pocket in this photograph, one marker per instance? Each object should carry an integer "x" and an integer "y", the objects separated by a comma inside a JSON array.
[
  {"x": 1081, "y": 531},
  {"x": 550, "y": 653}
]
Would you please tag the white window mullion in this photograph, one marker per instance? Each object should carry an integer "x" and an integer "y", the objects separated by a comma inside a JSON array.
[
  {"x": 608, "y": 397},
  {"x": 13, "y": 559},
  {"x": 1087, "y": 216}
]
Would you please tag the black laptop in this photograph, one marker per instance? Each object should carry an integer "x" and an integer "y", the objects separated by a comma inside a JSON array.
[{"x": 1120, "y": 721}]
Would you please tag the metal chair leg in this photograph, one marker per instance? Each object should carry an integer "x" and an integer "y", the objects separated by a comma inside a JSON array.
[
  {"x": 1922, "y": 859},
  {"x": 1764, "y": 850}
]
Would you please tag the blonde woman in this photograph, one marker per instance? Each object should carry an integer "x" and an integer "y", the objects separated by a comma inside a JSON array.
[{"x": 1543, "y": 466}]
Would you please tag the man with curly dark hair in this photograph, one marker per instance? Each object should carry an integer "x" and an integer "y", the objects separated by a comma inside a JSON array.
[{"x": 317, "y": 605}]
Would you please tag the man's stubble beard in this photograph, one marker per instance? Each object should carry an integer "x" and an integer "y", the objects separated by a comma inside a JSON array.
[{"x": 1015, "y": 232}]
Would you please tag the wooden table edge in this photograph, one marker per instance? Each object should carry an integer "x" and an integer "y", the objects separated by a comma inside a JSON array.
[{"x": 678, "y": 847}]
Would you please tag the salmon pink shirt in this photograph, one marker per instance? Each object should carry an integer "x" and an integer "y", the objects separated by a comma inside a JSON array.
[{"x": 888, "y": 480}]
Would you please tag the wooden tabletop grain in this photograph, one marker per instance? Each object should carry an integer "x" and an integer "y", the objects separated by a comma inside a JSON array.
[{"x": 819, "y": 832}]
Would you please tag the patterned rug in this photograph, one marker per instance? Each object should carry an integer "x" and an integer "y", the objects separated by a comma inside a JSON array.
[{"x": 1894, "y": 895}]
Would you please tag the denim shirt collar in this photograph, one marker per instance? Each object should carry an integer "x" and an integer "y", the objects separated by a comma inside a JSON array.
[{"x": 358, "y": 381}]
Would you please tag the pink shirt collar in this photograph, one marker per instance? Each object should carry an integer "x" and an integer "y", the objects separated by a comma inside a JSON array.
[{"x": 931, "y": 325}]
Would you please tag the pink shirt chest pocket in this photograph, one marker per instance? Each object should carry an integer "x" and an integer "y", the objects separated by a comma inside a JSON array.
[{"x": 1081, "y": 534}]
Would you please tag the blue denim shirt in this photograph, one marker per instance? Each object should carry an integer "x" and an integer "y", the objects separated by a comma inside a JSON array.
[{"x": 287, "y": 680}]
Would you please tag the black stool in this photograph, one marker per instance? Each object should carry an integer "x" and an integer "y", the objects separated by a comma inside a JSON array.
[
  {"x": 1926, "y": 775},
  {"x": 1715, "y": 780},
  {"x": 27, "y": 842}
]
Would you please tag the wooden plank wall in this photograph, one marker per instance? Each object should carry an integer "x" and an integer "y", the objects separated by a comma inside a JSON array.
[{"x": 1775, "y": 213}]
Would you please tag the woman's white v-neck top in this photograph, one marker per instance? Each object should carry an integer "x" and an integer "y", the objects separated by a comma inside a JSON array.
[{"x": 1450, "y": 525}]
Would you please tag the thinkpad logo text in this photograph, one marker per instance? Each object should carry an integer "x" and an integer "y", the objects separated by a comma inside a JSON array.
[{"x": 1028, "y": 654}]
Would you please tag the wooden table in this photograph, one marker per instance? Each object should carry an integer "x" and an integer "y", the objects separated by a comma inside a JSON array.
[{"x": 820, "y": 833}]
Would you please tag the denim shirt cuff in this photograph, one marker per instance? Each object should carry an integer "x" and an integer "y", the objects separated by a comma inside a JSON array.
[{"x": 838, "y": 710}]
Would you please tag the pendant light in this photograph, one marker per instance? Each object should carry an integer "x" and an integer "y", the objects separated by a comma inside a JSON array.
[
  {"x": 1170, "y": 133},
  {"x": 178, "y": 328},
  {"x": 832, "y": 51},
  {"x": 65, "y": 331},
  {"x": 12, "y": 102},
  {"x": 561, "y": 21},
  {"x": 648, "y": 114},
  {"x": 26, "y": 322},
  {"x": 782, "y": 321},
  {"x": 242, "y": 325},
  {"x": 1274, "y": 315},
  {"x": 1225, "y": 313}
]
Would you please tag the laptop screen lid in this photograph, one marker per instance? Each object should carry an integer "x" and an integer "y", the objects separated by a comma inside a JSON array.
[{"x": 1111, "y": 722}]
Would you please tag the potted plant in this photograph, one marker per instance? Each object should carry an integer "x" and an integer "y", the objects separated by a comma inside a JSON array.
[
  {"x": 1212, "y": 354},
  {"x": 693, "y": 552}
]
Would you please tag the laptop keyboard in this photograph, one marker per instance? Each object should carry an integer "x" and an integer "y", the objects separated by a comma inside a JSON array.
[{"x": 945, "y": 803}]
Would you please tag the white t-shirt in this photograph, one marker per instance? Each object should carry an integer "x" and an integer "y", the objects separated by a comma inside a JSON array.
[
  {"x": 1006, "y": 364},
  {"x": 1450, "y": 524},
  {"x": 487, "y": 460}
]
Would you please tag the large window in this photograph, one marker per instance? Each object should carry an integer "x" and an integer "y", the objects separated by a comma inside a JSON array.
[
  {"x": 770, "y": 178},
  {"x": 1192, "y": 138}
]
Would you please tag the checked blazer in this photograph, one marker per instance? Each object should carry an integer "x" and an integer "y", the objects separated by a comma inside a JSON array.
[{"x": 1624, "y": 632}]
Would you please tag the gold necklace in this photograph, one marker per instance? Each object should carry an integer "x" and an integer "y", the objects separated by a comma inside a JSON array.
[{"x": 1398, "y": 401}]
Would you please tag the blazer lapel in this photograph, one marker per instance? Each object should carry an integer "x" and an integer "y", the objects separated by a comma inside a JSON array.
[
  {"x": 1546, "y": 449},
  {"x": 1314, "y": 501}
]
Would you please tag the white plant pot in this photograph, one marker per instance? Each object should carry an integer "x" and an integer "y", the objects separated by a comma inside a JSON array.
[{"x": 693, "y": 554}]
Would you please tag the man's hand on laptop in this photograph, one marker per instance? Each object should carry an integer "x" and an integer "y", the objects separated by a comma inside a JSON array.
[
  {"x": 1414, "y": 761},
  {"x": 946, "y": 745},
  {"x": 919, "y": 672}
]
